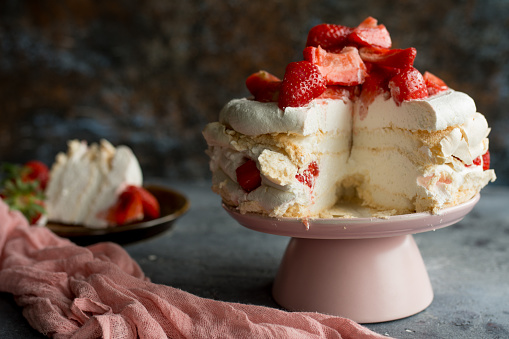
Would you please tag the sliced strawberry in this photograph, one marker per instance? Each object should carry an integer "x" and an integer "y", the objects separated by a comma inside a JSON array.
[
  {"x": 409, "y": 84},
  {"x": 434, "y": 84},
  {"x": 368, "y": 33},
  {"x": 399, "y": 58},
  {"x": 151, "y": 207},
  {"x": 369, "y": 22},
  {"x": 302, "y": 83},
  {"x": 345, "y": 68},
  {"x": 307, "y": 177},
  {"x": 330, "y": 37},
  {"x": 486, "y": 161},
  {"x": 128, "y": 208},
  {"x": 375, "y": 84},
  {"x": 248, "y": 176},
  {"x": 263, "y": 86}
]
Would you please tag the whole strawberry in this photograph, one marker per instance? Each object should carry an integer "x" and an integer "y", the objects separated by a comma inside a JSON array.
[
  {"x": 22, "y": 188},
  {"x": 25, "y": 197},
  {"x": 302, "y": 83}
]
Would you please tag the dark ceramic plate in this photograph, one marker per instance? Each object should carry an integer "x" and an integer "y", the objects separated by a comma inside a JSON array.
[{"x": 173, "y": 205}]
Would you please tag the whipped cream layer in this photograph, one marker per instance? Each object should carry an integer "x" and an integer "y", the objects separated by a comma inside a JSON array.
[
  {"x": 435, "y": 113},
  {"x": 87, "y": 180},
  {"x": 251, "y": 117}
]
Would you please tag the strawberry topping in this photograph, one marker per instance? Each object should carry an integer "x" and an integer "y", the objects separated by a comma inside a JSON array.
[
  {"x": 434, "y": 84},
  {"x": 359, "y": 57},
  {"x": 368, "y": 33},
  {"x": 399, "y": 58},
  {"x": 408, "y": 85},
  {"x": 344, "y": 68},
  {"x": 330, "y": 37},
  {"x": 248, "y": 176},
  {"x": 302, "y": 83},
  {"x": 263, "y": 86}
]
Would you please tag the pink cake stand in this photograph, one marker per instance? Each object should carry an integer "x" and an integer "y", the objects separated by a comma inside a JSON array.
[{"x": 366, "y": 269}]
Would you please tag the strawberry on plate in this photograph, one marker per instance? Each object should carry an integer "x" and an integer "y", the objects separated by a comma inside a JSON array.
[
  {"x": 151, "y": 208},
  {"x": 133, "y": 204},
  {"x": 409, "y": 84},
  {"x": 26, "y": 197},
  {"x": 22, "y": 188},
  {"x": 264, "y": 86},
  {"x": 344, "y": 68},
  {"x": 302, "y": 83},
  {"x": 127, "y": 209},
  {"x": 248, "y": 176}
]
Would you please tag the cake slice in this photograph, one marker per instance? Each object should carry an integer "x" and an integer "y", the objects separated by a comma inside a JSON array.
[{"x": 87, "y": 181}]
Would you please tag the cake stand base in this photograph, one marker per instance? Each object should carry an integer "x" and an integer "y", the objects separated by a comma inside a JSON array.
[
  {"x": 367, "y": 280},
  {"x": 366, "y": 269}
]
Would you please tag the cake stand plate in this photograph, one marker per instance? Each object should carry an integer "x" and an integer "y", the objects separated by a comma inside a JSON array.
[{"x": 366, "y": 269}]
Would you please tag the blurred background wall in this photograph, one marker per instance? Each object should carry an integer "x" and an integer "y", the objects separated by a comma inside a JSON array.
[{"x": 150, "y": 74}]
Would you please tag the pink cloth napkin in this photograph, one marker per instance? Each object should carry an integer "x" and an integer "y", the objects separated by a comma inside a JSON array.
[{"x": 99, "y": 291}]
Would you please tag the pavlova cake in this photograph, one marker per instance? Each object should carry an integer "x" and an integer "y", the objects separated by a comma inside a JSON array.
[{"x": 352, "y": 121}]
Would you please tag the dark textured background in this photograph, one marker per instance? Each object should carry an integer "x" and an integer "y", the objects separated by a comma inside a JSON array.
[{"x": 151, "y": 74}]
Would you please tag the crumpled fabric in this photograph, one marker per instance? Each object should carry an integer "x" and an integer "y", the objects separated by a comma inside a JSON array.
[{"x": 99, "y": 291}]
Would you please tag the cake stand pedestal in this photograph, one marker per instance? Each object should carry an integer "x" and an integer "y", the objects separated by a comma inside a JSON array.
[{"x": 366, "y": 269}]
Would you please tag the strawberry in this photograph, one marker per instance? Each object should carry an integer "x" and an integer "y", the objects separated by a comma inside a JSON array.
[
  {"x": 307, "y": 177},
  {"x": 23, "y": 189},
  {"x": 375, "y": 84},
  {"x": 345, "y": 68},
  {"x": 36, "y": 171},
  {"x": 486, "y": 161},
  {"x": 248, "y": 176},
  {"x": 369, "y": 22},
  {"x": 483, "y": 160},
  {"x": 409, "y": 84},
  {"x": 128, "y": 208},
  {"x": 302, "y": 83},
  {"x": 25, "y": 197},
  {"x": 368, "y": 33},
  {"x": 331, "y": 38},
  {"x": 399, "y": 58},
  {"x": 151, "y": 208},
  {"x": 263, "y": 86},
  {"x": 434, "y": 84},
  {"x": 339, "y": 92}
]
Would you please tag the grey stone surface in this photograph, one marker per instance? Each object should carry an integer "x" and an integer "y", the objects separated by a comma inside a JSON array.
[
  {"x": 210, "y": 255},
  {"x": 151, "y": 74}
]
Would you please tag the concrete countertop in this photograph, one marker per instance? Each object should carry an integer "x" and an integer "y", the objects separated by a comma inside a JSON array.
[{"x": 208, "y": 254}]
